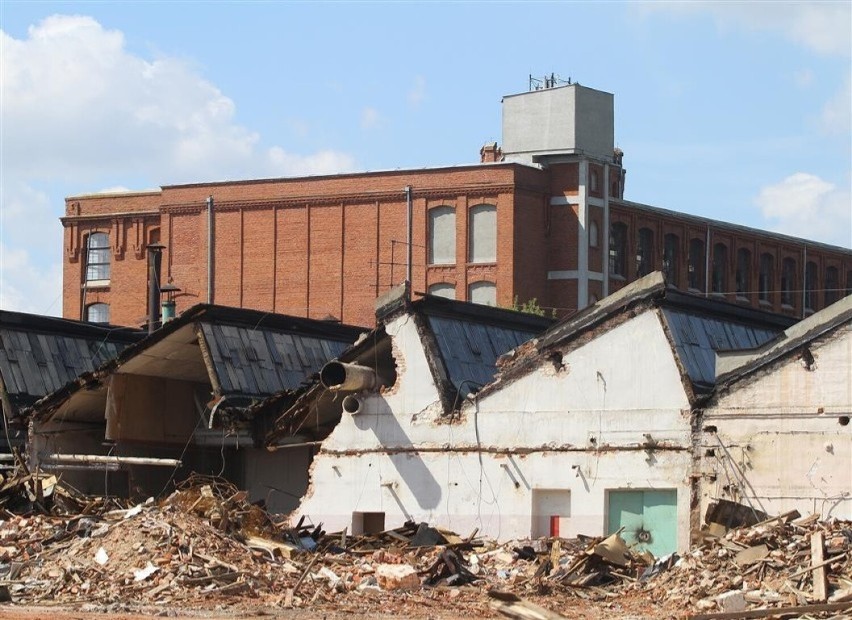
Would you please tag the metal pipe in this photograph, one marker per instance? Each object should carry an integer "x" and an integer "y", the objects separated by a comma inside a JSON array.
[
  {"x": 287, "y": 446},
  {"x": 410, "y": 226},
  {"x": 210, "y": 249},
  {"x": 339, "y": 376},
  {"x": 115, "y": 460},
  {"x": 155, "y": 255}
]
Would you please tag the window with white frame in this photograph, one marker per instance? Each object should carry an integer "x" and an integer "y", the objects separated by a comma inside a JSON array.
[
  {"x": 97, "y": 258},
  {"x": 97, "y": 313}
]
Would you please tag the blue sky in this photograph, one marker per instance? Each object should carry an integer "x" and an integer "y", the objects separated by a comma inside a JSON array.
[{"x": 737, "y": 111}]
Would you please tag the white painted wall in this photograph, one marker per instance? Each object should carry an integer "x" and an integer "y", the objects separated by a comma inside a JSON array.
[
  {"x": 782, "y": 430},
  {"x": 582, "y": 426}
]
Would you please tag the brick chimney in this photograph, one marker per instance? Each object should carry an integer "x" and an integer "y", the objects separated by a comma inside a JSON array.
[{"x": 490, "y": 153}]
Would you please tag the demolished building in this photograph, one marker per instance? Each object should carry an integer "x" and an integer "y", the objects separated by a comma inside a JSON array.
[
  {"x": 776, "y": 434},
  {"x": 595, "y": 426},
  {"x": 40, "y": 354},
  {"x": 175, "y": 403}
]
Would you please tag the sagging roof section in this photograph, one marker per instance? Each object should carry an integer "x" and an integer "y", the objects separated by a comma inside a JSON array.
[
  {"x": 469, "y": 343},
  {"x": 697, "y": 338},
  {"x": 733, "y": 366},
  {"x": 259, "y": 362},
  {"x": 251, "y": 353},
  {"x": 40, "y": 354}
]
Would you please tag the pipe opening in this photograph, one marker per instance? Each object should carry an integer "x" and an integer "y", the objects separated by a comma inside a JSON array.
[
  {"x": 352, "y": 404},
  {"x": 333, "y": 374}
]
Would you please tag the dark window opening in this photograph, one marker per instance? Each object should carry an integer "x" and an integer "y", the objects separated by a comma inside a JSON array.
[
  {"x": 765, "y": 279},
  {"x": 618, "y": 249},
  {"x": 719, "y": 279},
  {"x": 788, "y": 279},
  {"x": 832, "y": 285},
  {"x": 645, "y": 252},
  {"x": 811, "y": 285},
  {"x": 743, "y": 277},
  {"x": 670, "y": 258},
  {"x": 695, "y": 267}
]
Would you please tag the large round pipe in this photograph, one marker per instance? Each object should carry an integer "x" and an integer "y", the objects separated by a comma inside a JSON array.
[{"x": 347, "y": 377}]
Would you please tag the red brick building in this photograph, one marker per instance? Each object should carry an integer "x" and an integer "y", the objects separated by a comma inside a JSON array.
[{"x": 542, "y": 217}]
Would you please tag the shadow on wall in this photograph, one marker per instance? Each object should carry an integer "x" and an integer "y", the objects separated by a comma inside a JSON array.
[{"x": 376, "y": 416}]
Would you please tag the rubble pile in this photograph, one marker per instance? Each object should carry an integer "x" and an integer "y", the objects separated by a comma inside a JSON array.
[
  {"x": 206, "y": 544},
  {"x": 781, "y": 562}
]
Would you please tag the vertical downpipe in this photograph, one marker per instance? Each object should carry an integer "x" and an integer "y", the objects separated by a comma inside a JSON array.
[
  {"x": 210, "y": 249},
  {"x": 410, "y": 232}
]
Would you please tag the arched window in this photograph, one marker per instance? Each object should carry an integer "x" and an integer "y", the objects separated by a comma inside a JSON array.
[
  {"x": 97, "y": 257},
  {"x": 644, "y": 252},
  {"x": 443, "y": 289},
  {"x": 97, "y": 313},
  {"x": 811, "y": 286},
  {"x": 482, "y": 240},
  {"x": 788, "y": 279},
  {"x": 832, "y": 285},
  {"x": 719, "y": 281},
  {"x": 695, "y": 267},
  {"x": 442, "y": 236},
  {"x": 593, "y": 234},
  {"x": 743, "y": 282},
  {"x": 766, "y": 279},
  {"x": 618, "y": 249},
  {"x": 670, "y": 257},
  {"x": 482, "y": 293}
]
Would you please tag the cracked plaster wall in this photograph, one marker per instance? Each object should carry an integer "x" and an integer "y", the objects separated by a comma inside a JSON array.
[
  {"x": 782, "y": 429},
  {"x": 584, "y": 428}
]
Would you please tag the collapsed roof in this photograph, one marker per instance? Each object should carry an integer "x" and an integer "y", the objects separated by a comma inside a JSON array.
[{"x": 241, "y": 355}]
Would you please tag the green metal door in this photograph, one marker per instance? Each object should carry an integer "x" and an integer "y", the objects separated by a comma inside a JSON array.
[{"x": 649, "y": 519}]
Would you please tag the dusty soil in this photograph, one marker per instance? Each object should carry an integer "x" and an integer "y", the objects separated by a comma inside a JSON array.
[{"x": 421, "y": 606}]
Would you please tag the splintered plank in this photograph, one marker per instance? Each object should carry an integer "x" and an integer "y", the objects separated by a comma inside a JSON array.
[{"x": 818, "y": 562}]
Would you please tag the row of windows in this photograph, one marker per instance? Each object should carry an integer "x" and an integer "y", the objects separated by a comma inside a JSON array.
[
  {"x": 482, "y": 292},
  {"x": 482, "y": 235},
  {"x": 719, "y": 268}
]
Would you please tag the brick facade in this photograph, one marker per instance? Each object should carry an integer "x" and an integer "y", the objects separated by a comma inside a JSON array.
[{"x": 328, "y": 246}]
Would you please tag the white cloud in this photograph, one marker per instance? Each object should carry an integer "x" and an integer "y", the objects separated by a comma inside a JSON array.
[
  {"x": 370, "y": 118},
  {"x": 418, "y": 91},
  {"x": 79, "y": 110},
  {"x": 807, "y": 206},
  {"x": 820, "y": 26},
  {"x": 27, "y": 286}
]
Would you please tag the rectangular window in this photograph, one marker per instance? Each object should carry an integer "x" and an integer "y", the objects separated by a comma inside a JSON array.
[{"x": 97, "y": 257}]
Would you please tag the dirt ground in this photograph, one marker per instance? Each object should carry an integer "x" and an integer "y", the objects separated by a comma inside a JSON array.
[{"x": 421, "y": 606}]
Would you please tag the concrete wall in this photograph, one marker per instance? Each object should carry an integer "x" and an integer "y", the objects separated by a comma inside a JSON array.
[
  {"x": 567, "y": 119},
  {"x": 579, "y": 429},
  {"x": 784, "y": 435}
]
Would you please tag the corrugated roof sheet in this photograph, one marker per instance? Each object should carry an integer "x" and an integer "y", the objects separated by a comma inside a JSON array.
[
  {"x": 470, "y": 349},
  {"x": 35, "y": 364},
  {"x": 259, "y": 361},
  {"x": 697, "y": 337}
]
